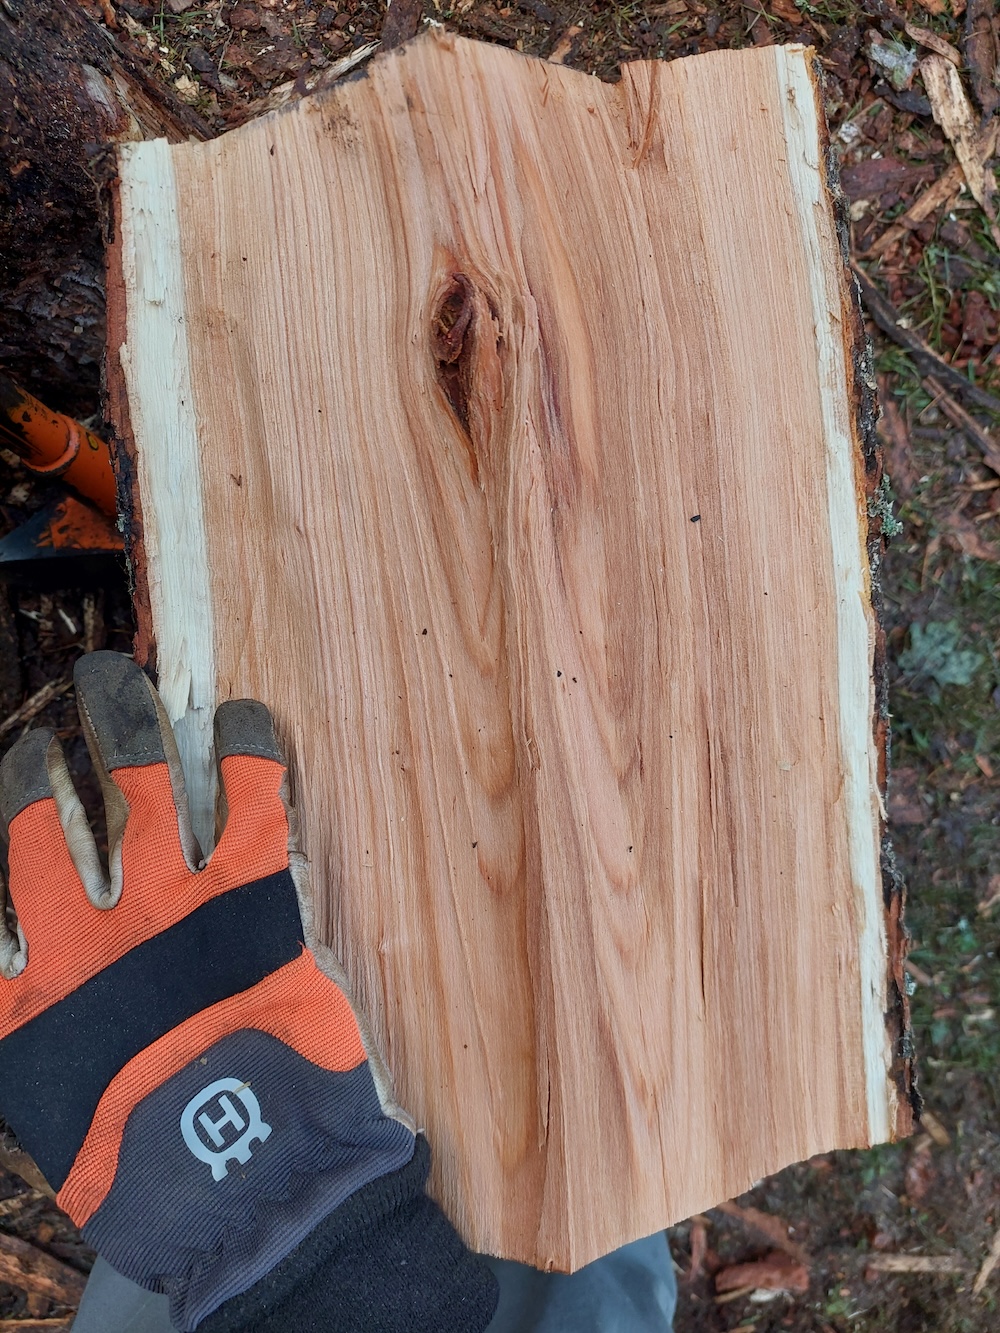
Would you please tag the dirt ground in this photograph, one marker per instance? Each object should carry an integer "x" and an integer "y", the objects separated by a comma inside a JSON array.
[{"x": 932, "y": 1204}]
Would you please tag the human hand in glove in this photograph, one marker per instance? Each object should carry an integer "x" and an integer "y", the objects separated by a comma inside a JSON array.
[{"x": 178, "y": 1054}]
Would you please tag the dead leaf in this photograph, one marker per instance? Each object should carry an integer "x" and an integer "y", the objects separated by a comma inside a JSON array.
[
  {"x": 903, "y": 476},
  {"x": 879, "y": 175},
  {"x": 934, "y": 1127},
  {"x": 953, "y": 112},
  {"x": 984, "y": 765},
  {"x": 906, "y": 804},
  {"x": 966, "y": 537},
  {"x": 776, "y": 1229},
  {"x": 934, "y": 43},
  {"x": 933, "y": 6},
  {"x": 920, "y": 1173},
  {"x": 982, "y": 52},
  {"x": 777, "y": 1271},
  {"x": 979, "y": 320},
  {"x": 785, "y": 9}
]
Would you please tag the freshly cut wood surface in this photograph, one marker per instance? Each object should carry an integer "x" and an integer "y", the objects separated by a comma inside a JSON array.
[{"x": 498, "y": 427}]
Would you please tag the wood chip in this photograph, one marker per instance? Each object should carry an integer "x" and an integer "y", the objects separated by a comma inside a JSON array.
[
  {"x": 916, "y": 1263},
  {"x": 934, "y": 43},
  {"x": 938, "y": 195},
  {"x": 30, "y": 1269},
  {"x": 774, "y": 1228},
  {"x": 33, "y": 706},
  {"x": 561, "y": 50},
  {"x": 953, "y": 112},
  {"x": 988, "y": 1265},
  {"x": 930, "y": 1122}
]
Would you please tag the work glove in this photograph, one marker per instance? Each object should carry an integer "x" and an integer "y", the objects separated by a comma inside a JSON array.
[{"x": 180, "y": 1056}]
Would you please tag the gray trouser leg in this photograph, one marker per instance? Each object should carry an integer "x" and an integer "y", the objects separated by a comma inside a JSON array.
[
  {"x": 113, "y": 1304},
  {"x": 632, "y": 1290}
]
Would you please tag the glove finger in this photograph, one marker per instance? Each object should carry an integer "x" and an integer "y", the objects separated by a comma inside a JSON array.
[
  {"x": 254, "y": 803},
  {"x": 245, "y": 726},
  {"x": 45, "y": 823},
  {"x": 132, "y": 746}
]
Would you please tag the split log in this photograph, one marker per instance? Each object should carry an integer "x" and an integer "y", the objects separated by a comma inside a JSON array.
[{"x": 511, "y": 435}]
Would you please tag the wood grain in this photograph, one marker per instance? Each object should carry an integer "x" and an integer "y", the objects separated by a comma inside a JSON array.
[
  {"x": 30, "y": 1269},
  {"x": 517, "y": 425}
]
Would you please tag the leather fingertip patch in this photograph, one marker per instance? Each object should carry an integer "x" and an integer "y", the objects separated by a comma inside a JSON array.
[
  {"x": 245, "y": 726},
  {"x": 24, "y": 774},
  {"x": 119, "y": 707}
]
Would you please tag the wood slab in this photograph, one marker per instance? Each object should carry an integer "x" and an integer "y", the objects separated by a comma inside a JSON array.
[{"x": 504, "y": 431}]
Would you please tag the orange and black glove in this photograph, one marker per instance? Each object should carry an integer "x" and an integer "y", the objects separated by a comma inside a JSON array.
[{"x": 183, "y": 1069}]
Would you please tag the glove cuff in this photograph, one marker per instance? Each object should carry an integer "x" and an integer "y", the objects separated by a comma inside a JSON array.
[{"x": 386, "y": 1261}]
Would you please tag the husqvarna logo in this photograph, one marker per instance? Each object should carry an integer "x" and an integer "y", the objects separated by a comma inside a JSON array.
[{"x": 221, "y": 1122}]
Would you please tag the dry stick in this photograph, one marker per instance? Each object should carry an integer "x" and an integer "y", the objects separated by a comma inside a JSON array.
[
  {"x": 937, "y": 195},
  {"x": 989, "y": 1263},
  {"x": 958, "y": 416},
  {"x": 927, "y": 361},
  {"x": 30, "y": 1269},
  {"x": 31, "y": 707},
  {"x": 916, "y": 1263}
]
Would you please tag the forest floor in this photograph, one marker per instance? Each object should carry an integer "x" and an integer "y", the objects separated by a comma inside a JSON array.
[{"x": 932, "y": 1202}]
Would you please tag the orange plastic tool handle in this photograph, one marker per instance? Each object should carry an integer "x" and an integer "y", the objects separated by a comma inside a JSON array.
[{"x": 55, "y": 445}]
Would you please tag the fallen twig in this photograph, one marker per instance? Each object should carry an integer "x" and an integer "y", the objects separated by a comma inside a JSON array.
[
  {"x": 768, "y": 1225},
  {"x": 916, "y": 1263},
  {"x": 30, "y": 1269},
  {"x": 927, "y": 361},
  {"x": 988, "y": 1265},
  {"x": 699, "y": 1247},
  {"x": 957, "y": 415},
  {"x": 33, "y": 706}
]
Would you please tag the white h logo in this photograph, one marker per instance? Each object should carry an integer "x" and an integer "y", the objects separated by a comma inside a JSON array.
[{"x": 249, "y": 1128}]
